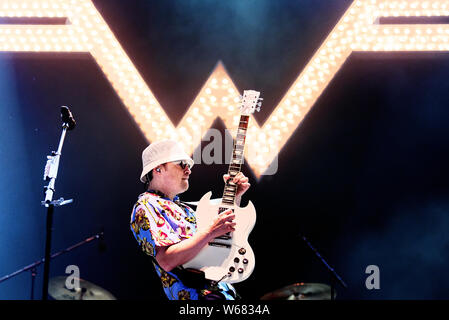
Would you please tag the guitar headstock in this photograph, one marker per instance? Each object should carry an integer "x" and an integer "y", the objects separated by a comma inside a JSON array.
[{"x": 249, "y": 101}]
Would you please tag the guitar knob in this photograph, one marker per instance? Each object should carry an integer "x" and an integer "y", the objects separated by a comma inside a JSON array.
[
  {"x": 242, "y": 251},
  {"x": 240, "y": 270},
  {"x": 232, "y": 269},
  {"x": 236, "y": 260},
  {"x": 245, "y": 261}
]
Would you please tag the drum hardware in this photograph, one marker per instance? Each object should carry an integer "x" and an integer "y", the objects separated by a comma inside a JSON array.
[
  {"x": 33, "y": 267},
  {"x": 333, "y": 275}
]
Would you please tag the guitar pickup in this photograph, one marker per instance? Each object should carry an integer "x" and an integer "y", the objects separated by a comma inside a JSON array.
[
  {"x": 226, "y": 236},
  {"x": 219, "y": 244}
]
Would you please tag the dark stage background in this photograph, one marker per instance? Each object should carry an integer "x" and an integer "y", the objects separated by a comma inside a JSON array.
[{"x": 364, "y": 176}]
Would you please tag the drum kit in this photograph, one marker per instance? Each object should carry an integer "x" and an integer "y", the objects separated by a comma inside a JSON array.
[{"x": 58, "y": 290}]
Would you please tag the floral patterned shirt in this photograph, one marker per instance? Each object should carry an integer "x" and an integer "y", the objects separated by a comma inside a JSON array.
[{"x": 158, "y": 221}]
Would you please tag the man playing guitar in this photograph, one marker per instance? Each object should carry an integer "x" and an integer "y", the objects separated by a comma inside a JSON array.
[{"x": 166, "y": 228}]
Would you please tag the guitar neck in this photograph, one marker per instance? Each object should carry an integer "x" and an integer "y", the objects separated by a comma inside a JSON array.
[{"x": 236, "y": 162}]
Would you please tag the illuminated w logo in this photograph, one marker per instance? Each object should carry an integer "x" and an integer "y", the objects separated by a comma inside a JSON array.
[{"x": 84, "y": 30}]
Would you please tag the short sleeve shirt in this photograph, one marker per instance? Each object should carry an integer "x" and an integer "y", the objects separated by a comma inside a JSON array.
[{"x": 158, "y": 221}]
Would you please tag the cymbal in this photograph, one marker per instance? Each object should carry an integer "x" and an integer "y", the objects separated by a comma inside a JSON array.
[
  {"x": 87, "y": 291},
  {"x": 301, "y": 291}
]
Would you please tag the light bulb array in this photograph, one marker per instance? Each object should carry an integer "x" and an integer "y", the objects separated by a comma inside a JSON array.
[{"x": 357, "y": 30}]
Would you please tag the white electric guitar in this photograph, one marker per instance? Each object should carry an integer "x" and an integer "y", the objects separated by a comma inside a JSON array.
[{"x": 229, "y": 258}]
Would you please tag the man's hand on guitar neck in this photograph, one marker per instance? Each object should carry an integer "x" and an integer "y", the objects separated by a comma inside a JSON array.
[{"x": 242, "y": 185}]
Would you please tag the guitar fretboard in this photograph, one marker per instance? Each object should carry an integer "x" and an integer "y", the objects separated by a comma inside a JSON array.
[{"x": 236, "y": 162}]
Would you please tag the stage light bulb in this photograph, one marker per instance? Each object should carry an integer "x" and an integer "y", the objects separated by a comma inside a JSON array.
[{"x": 94, "y": 36}]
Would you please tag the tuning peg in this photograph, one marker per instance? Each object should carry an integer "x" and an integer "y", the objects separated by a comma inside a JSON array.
[
  {"x": 258, "y": 109},
  {"x": 240, "y": 97},
  {"x": 259, "y": 104},
  {"x": 260, "y": 98}
]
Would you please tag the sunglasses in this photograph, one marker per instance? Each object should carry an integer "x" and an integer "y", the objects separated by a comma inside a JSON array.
[{"x": 182, "y": 163}]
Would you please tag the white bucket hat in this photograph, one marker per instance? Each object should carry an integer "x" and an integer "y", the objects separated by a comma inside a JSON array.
[{"x": 162, "y": 152}]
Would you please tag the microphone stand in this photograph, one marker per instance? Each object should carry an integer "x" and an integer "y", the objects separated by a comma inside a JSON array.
[
  {"x": 50, "y": 173},
  {"x": 333, "y": 275},
  {"x": 33, "y": 266}
]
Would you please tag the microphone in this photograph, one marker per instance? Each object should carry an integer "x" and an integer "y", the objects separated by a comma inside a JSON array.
[{"x": 67, "y": 117}]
